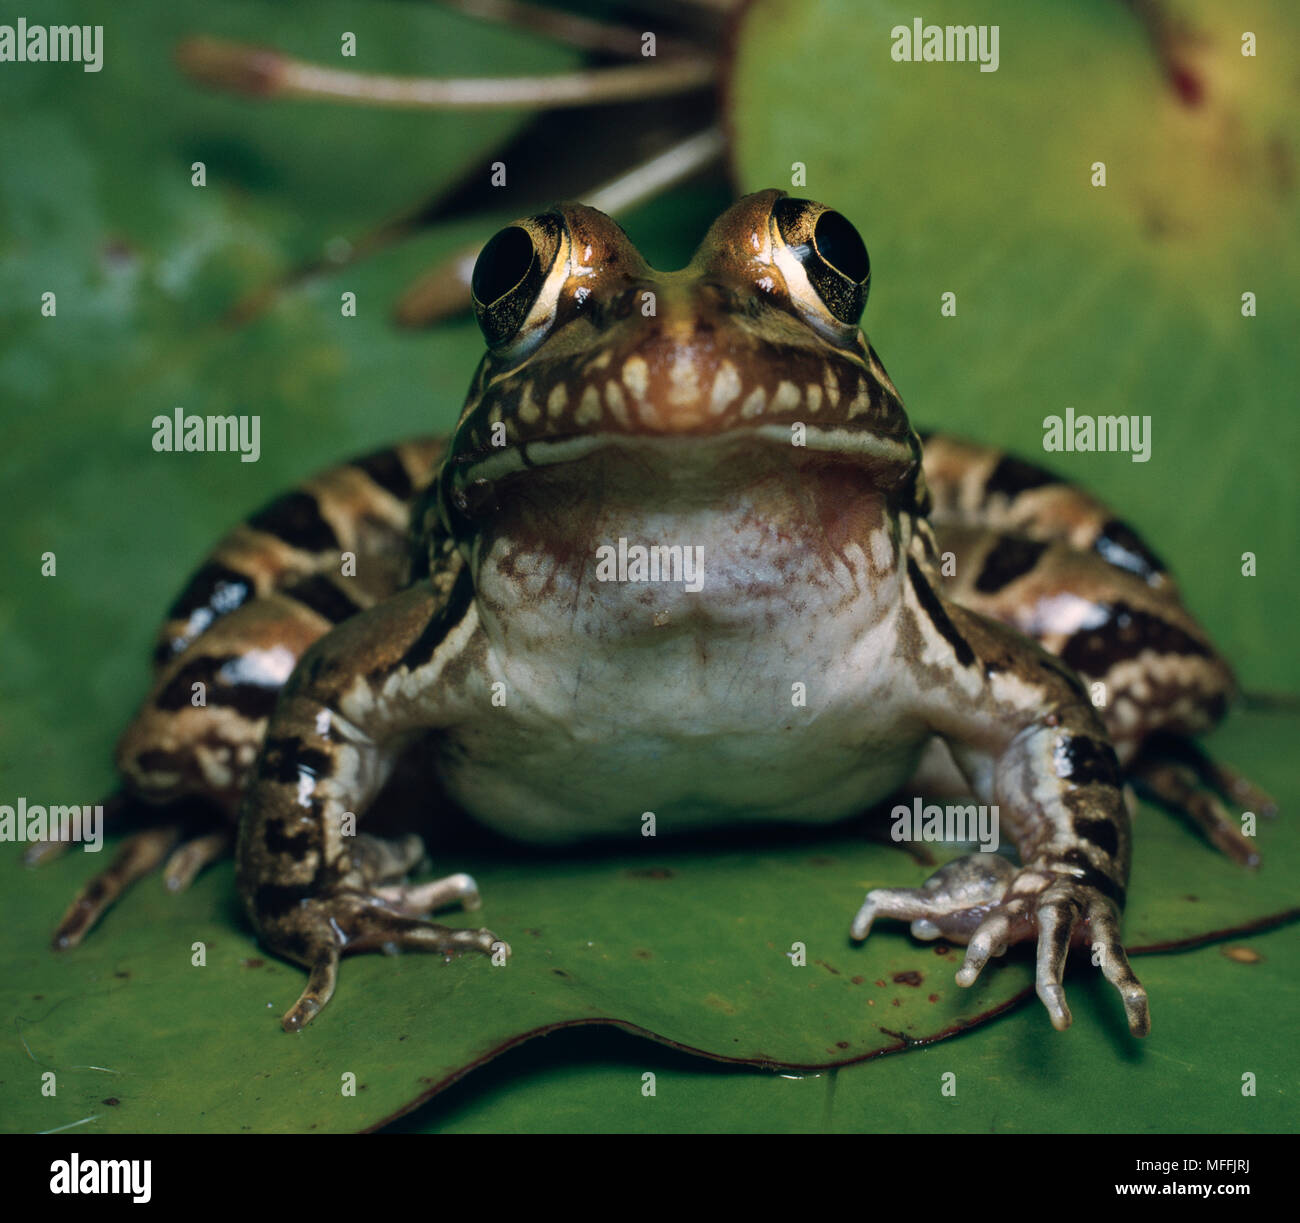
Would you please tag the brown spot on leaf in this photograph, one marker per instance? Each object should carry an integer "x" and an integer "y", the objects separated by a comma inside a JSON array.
[
  {"x": 908, "y": 978},
  {"x": 112, "y": 1101},
  {"x": 934, "y": 997},
  {"x": 1243, "y": 955},
  {"x": 833, "y": 971},
  {"x": 858, "y": 980},
  {"x": 941, "y": 949},
  {"x": 841, "y": 1044},
  {"x": 254, "y": 962},
  {"x": 122, "y": 975},
  {"x": 642, "y": 954}
]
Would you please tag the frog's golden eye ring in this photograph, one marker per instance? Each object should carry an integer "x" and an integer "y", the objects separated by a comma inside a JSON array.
[
  {"x": 831, "y": 252},
  {"x": 510, "y": 274}
]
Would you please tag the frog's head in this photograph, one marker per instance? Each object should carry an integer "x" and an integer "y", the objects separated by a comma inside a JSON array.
[{"x": 749, "y": 355}]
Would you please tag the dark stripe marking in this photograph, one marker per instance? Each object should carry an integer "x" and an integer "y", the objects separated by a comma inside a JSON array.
[
  {"x": 284, "y": 760},
  {"x": 1012, "y": 476},
  {"x": 441, "y": 622},
  {"x": 1125, "y": 635},
  {"x": 155, "y": 760},
  {"x": 214, "y": 586},
  {"x": 252, "y": 700},
  {"x": 295, "y": 845},
  {"x": 1100, "y": 833},
  {"x": 324, "y": 597},
  {"x": 1088, "y": 875},
  {"x": 296, "y": 519},
  {"x": 1011, "y": 557},
  {"x": 385, "y": 469},
  {"x": 938, "y": 617},
  {"x": 272, "y": 900},
  {"x": 1121, "y": 546},
  {"x": 1082, "y": 761}
]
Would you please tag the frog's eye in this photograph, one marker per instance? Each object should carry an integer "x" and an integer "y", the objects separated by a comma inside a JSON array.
[
  {"x": 509, "y": 278},
  {"x": 831, "y": 253}
]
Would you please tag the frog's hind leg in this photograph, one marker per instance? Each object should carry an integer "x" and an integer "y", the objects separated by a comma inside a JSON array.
[
  {"x": 1175, "y": 772},
  {"x": 1051, "y": 560},
  {"x": 138, "y": 856},
  {"x": 170, "y": 831},
  {"x": 270, "y": 588}
]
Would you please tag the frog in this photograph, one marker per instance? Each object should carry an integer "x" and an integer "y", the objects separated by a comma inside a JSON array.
[{"x": 732, "y": 412}]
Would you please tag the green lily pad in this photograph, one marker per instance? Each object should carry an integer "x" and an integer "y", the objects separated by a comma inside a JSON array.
[{"x": 1014, "y": 1076}]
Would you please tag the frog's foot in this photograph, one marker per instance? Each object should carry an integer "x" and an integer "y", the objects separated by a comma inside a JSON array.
[
  {"x": 988, "y": 903},
  {"x": 138, "y": 856},
  {"x": 1177, "y": 773},
  {"x": 169, "y": 839},
  {"x": 386, "y": 920}
]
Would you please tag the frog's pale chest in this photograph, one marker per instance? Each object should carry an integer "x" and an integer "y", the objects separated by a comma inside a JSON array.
[{"x": 742, "y": 665}]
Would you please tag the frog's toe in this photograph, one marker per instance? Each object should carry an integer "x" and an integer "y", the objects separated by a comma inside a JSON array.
[
  {"x": 416, "y": 899},
  {"x": 1115, "y": 965},
  {"x": 1061, "y": 912},
  {"x": 193, "y": 856},
  {"x": 138, "y": 856},
  {"x": 1180, "y": 775},
  {"x": 951, "y": 903}
]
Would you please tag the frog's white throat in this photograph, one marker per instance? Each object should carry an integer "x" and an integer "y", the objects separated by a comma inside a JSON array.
[{"x": 645, "y": 539}]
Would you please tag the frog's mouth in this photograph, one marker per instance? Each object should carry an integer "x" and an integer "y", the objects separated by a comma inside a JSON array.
[
  {"x": 566, "y": 496},
  {"x": 756, "y": 445}
]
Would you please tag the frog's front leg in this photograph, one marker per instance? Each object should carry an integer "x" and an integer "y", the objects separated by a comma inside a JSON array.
[
  {"x": 353, "y": 704},
  {"x": 1021, "y": 728}
]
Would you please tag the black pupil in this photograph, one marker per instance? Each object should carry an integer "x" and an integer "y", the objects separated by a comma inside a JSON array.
[
  {"x": 840, "y": 245},
  {"x": 502, "y": 264}
]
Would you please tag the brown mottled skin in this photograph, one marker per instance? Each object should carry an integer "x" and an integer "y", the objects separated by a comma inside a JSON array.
[{"x": 959, "y": 620}]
